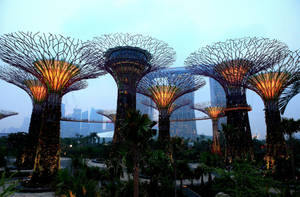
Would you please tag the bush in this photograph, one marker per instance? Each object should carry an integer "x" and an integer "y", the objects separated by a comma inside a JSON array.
[{"x": 244, "y": 180}]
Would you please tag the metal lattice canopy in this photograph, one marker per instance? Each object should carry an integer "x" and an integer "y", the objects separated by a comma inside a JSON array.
[
  {"x": 233, "y": 61},
  {"x": 4, "y": 114},
  {"x": 156, "y": 52},
  {"x": 173, "y": 107},
  {"x": 57, "y": 61},
  {"x": 110, "y": 114},
  {"x": 165, "y": 86},
  {"x": 270, "y": 84},
  {"x": 213, "y": 111},
  {"x": 34, "y": 88}
]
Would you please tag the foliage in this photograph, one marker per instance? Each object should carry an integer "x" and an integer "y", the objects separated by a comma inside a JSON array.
[
  {"x": 137, "y": 132},
  {"x": 7, "y": 188},
  {"x": 81, "y": 181},
  {"x": 17, "y": 142},
  {"x": 243, "y": 180},
  {"x": 157, "y": 167}
]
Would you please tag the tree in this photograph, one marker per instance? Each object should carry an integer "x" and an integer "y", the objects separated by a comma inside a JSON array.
[
  {"x": 231, "y": 63},
  {"x": 127, "y": 58},
  {"x": 137, "y": 132}
]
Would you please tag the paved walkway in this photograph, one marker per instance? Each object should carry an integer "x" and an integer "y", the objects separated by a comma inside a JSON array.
[{"x": 44, "y": 194}]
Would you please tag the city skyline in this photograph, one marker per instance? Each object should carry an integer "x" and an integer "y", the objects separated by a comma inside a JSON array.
[{"x": 184, "y": 26}]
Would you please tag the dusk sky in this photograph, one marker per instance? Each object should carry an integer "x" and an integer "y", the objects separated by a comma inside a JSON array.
[{"x": 184, "y": 25}]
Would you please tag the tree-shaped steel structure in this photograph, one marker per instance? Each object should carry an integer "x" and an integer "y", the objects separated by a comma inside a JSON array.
[
  {"x": 38, "y": 94},
  {"x": 215, "y": 113},
  {"x": 269, "y": 85},
  {"x": 58, "y": 62},
  {"x": 231, "y": 63},
  {"x": 288, "y": 94},
  {"x": 110, "y": 114},
  {"x": 164, "y": 87},
  {"x": 4, "y": 114},
  {"x": 128, "y": 58}
]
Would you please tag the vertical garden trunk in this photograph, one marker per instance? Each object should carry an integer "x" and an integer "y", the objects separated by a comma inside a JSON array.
[
  {"x": 216, "y": 148},
  {"x": 238, "y": 118},
  {"x": 33, "y": 135},
  {"x": 47, "y": 161},
  {"x": 126, "y": 101},
  {"x": 276, "y": 146},
  {"x": 136, "y": 179},
  {"x": 164, "y": 126}
]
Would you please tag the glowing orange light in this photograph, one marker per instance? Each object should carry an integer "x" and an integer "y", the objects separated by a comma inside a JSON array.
[
  {"x": 214, "y": 112},
  {"x": 37, "y": 89},
  {"x": 234, "y": 74},
  {"x": 270, "y": 84},
  {"x": 56, "y": 73},
  {"x": 163, "y": 95}
]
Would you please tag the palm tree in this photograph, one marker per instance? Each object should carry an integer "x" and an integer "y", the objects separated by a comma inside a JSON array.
[
  {"x": 137, "y": 133},
  {"x": 289, "y": 127}
]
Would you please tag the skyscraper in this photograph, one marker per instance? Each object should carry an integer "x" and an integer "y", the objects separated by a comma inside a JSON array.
[
  {"x": 143, "y": 108},
  {"x": 183, "y": 129},
  {"x": 95, "y": 127},
  {"x": 84, "y": 127},
  {"x": 217, "y": 97}
]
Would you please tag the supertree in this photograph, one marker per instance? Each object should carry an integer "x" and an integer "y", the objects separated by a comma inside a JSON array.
[
  {"x": 128, "y": 58},
  {"x": 231, "y": 63},
  {"x": 4, "y": 114},
  {"x": 38, "y": 94},
  {"x": 215, "y": 112},
  {"x": 269, "y": 85},
  {"x": 58, "y": 62},
  {"x": 110, "y": 114},
  {"x": 164, "y": 87}
]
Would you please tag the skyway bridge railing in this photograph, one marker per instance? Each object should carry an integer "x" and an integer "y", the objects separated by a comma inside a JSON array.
[{"x": 108, "y": 121}]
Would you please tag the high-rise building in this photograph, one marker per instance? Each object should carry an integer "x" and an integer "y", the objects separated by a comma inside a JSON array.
[
  {"x": 217, "y": 97},
  {"x": 95, "y": 127},
  {"x": 185, "y": 129},
  {"x": 76, "y": 125},
  {"x": 84, "y": 127},
  {"x": 143, "y": 108}
]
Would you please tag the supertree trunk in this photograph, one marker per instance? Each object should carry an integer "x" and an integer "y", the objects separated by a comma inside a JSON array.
[
  {"x": 276, "y": 146},
  {"x": 47, "y": 161},
  {"x": 33, "y": 132},
  {"x": 164, "y": 127},
  {"x": 238, "y": 118},
  {"x": 126, "y": 101},
  {"x": 216, "y": 148}
]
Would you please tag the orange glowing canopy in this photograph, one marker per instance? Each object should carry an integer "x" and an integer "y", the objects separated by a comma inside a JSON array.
[
  {"x": 234, "y": 74},
  {"x": 56, "y": 73},
  {"x": 214, "y": 112},
  {"x": 271, "y": 84},
  {"x": 163, "y": 95},
  {"x": 38, "y": 90}
]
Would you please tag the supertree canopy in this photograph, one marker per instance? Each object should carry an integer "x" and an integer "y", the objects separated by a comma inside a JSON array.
[
  {"x": 4, "y": 114},
  {"x": 110, "y": 114},
  {"x": 58, "y": 62},
  {"x": 215, "y": 113},
  {"x": 164, "y": 87},
  {"x": 269, "y": 85},
  {"x": 128, "y": 58},
  {"x": 38, "y": 94},
  {"x": 231, "y": 63}
]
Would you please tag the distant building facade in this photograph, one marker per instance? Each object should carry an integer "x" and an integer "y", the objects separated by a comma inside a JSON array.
[
  {"x": 185, "y": 129},
  {"x": 143, "y": 108},
  {"x": 217, "y": 97},
  {"x": 95, "y": 127}
]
